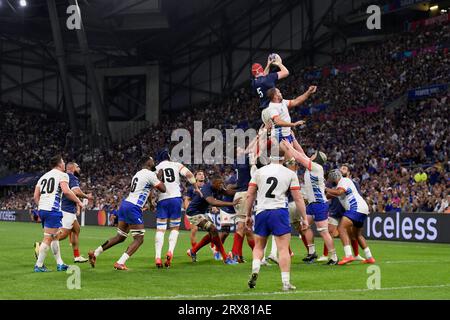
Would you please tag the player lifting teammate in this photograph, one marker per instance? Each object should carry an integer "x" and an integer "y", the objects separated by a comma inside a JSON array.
[{"x": 130, "y": 213}]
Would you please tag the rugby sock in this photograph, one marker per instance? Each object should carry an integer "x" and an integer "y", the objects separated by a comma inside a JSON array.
[
  {"x": 205, "y": 240},
  {"x": 173, "y": 237},
  {"x": 219, "y": 247},
  {"x": 367, "y": 253},
  {"x": 333, "y": 255},
  {"x": 273, "y": 250},
  {"x": 355, "y": 247},
  {"x": 237, "y": 244},
  {"x": 98, "y": 251},
  {"x": 256, "y": 265},
  {"x": 304, "y": 242},
  {"x": 56, "y": 252},
  {"x": 123, "y": 258},
  {"x": 76, "y": 253},
  {"x": 325, "y": 250},
  {"x": 251, "y": 244},
  {"x": 348, "y": 251},
  {"x": 311, "y": 248},
  {"x": 285, "y": 277},
  {"x": 159, "y": 242},
  {"x": 42, "y": 253}
]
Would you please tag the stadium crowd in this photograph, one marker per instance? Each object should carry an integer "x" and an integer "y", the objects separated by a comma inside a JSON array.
[{"x": 400, "y": 156}]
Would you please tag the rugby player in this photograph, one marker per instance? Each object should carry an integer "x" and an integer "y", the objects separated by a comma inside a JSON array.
[
  {"x": 200, "y": 178},
  {"x": 353, "y": 218},
  {"x": 269, "y": 186},
  {"x": 47, "y": 195},
  {"x": 243, "y": 173},
  {"x": 196, "y": 212},
  {"x": 168, "y": 208},
  {"x": 317, "y": 209},
  {"x": 130, "y": 213},
  {"x": 335, "y": 212},
  {"x": 69, "y": 210},
  {"x": 264, "y": 80}
]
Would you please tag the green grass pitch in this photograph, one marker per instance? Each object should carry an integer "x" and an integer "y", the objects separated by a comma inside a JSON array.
[{"x": 408, "y": 271}]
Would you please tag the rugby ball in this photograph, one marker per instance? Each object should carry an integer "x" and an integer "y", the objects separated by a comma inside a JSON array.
[{"x": 274, "y": 57}]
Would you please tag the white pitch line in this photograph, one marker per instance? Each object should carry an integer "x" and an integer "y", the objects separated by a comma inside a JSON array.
[{"x": 249, "y": 294}]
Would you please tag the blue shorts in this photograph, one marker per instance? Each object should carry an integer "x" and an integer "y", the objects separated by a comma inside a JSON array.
[
  {"x": 130, "y": 213},
  {"x": 51, "y": 219},
  {"x": 356, "y": 217},
  {"x": 275, "y": 221},
  {"x": 318, "y": 210},
  {"x": 288, "y": 138},
  {"x": 169, "y": 208}
]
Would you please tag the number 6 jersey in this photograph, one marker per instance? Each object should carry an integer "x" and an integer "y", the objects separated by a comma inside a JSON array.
[
  {"x": 141, "y": 185},
  {"x": 51, "y": 192},
  {"x": 273, "y": 182}
]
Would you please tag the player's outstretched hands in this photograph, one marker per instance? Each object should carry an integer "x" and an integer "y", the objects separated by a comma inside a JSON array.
[
  {"x": 299, "y": 123},
  {"x": 237, "y": 201},
  {"x": 312, "y": 89},
  {"x": 80, "y": 204}
]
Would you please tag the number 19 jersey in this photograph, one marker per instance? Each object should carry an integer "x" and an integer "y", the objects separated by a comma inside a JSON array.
[
  {"x": 273, "y": 182},
  {"x": 51, "y": 192},
  {"x": 141, "y": 185},
  {"x": 171, "y": 178}
]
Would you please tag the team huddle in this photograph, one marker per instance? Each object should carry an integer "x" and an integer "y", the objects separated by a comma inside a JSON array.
[{"x": 264, "y": 198}]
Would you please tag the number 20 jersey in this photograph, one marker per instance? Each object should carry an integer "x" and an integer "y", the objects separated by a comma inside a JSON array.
[
  {"x": 141, "y": 185},
  {"x": 51, "y": 192},
  {"x": 171, "y": 178},
  {"x": 273, "y": 182}
]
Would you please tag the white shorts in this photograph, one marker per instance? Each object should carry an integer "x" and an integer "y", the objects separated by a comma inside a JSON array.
[
  {"x": 333, "y": 221},
  {"x": 294, "y": 215},
  {"x": 68, "y": 219},
  {"x": 240, "y": 207},
  {"x": 227, "y": 219}
]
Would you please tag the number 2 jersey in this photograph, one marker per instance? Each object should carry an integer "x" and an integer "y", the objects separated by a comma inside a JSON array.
[
  {"x": 50, "y": 189},
  {"x": 171, "y": 178},
  {"x": 141, "y": 184},
  {"x": 273, "y": 182}
]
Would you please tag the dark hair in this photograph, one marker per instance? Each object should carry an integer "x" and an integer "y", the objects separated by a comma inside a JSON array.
[
  {"x": 55, "y": 160},
  {"x": 216, "y": 177},
  {"x": 271, "y": 93},
  {"x": 143, "y": 161}
]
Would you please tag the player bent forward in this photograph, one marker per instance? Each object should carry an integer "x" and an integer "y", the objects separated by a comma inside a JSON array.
[
  {"x": 269, "y": 186},
  {"x": 353, "y": 218}
]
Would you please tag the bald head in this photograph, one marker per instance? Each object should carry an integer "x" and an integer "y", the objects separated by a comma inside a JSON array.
[{"x": 72, "y": 168}]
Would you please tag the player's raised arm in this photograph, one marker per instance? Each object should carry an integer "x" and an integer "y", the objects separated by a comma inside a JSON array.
[
  {"x": 69, "y": 193},
  {"x": 301, "y": 99},
  {"x": 301, "y": 158},
  {"x": 284, "y": 72},
  {"x": 185, "y": 172}
]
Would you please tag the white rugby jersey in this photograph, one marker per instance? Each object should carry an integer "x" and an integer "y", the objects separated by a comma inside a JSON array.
[
  {"x": 315, "y": 184},
  {"x": 50, "y": 189},
  {"x": 141, "y": 185},
  {"x": 281, "y": 110},
  {"x": 351, "y": 199},
  {"x": 171, "y": 178},
  {"x": 273, "y": 182}
]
